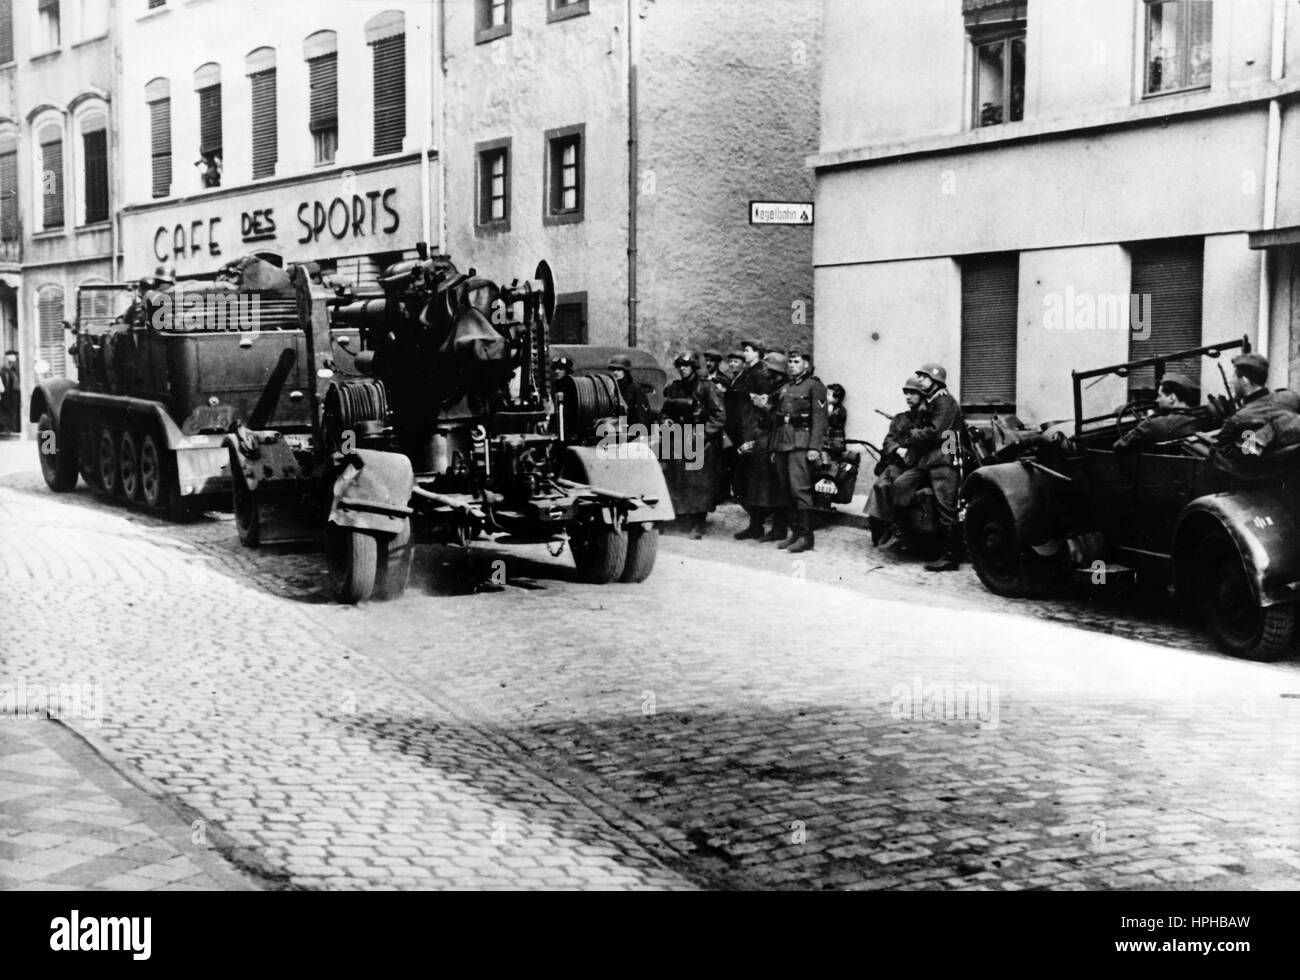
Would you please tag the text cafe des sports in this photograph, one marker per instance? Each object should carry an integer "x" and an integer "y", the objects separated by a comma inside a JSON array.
[{"x": 362, "y": 211}]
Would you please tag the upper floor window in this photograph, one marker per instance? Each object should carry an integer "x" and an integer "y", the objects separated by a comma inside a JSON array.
[
  {"x": 94, "y": 19},
  {"x": 1178, "y": 45},
  {"x": 207, "y": 82},
  {"x": 494, "y": 184},
  {"x": 386, "y": 35},
  {"x": 47, "y": 26},
  {"x": 260, "y": 66},
  {"x": 158, "y": 94},
  {"x": 6, "y": 31},
  {"x": 491, "y": 19},
  {"x": 996, "y": 29},
  {"x": 9, "y": 187},
  {"x": 562, "y": 9},
  {"x": 565, "y": 177},
  {"x": 321, "y": 52},
  {"x": 49, "y": 159},
  {"x": 94, "y": 168}
]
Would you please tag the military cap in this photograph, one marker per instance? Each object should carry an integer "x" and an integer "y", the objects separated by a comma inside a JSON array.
[
  {"x": 798, "y": 352},
  {"x": 1188, "y": 389},
  {"x": 685, "y": 357},
  {"x": 1253, "y": 366},
  {"x": 11, "y": 351},
  {"x": 620, "y": 361},
  {"x": 776, "y": 361}
]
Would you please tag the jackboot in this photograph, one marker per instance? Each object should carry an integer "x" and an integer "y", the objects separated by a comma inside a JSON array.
[
  {"x": 951, "y": 560},
  {"x": 806, "y": 539},
  {"x": 755, "y": 528},
  {"x": 698, "y": 526},
  {"x": 780, "y": 528},
  {"x": 792, "y": 524}
]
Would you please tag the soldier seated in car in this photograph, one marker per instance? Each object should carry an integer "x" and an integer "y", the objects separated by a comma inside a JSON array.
[
  {"x": 1259, "y": 406},
  {"x": 1179, "y": 414}
]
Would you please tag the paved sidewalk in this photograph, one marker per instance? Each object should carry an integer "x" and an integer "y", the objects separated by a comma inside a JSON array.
[{"x": 70, "y": 822}]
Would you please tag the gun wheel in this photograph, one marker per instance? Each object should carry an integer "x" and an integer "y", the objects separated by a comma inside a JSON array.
[
  {"x": 599, "y": 552},
  {"x": 128, "y": 466},
  {"x": 152, "y": 481},
  {"x": 642, "y": 550},
  {"x": 353, "y": 558},
  {"x": 396, "y": 555}
]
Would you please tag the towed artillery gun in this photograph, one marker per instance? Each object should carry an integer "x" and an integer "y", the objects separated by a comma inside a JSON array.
[{"x": 446, "y": 424}]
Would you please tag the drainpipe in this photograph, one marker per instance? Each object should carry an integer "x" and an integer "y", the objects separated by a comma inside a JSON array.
[
  {"x": 440, "y": 121},
  {"x": 633, "y": 40},
  {"x": 1272, "y": 165},
  {"x": 425, "y": 221}
]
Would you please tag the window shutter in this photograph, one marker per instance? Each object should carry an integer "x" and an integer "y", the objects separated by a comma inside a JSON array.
[
  {"x": 6, "y": 31},
  {"x": 324, "y": 92},
  {"x": 49, "y": 315},
  {"x": 390, "y": 94},
  {"x": 52, "y": 164},
  {"x": 210, "y": 119},
  {"x": 1171, "y": 274},
  {"x": 264, "y": 124},
  {"x": 8, "y": 197},
  {"x": 96, "y": 156},
  {"x": 160, "y": 119},
  {"x": 990, "y": 287}
]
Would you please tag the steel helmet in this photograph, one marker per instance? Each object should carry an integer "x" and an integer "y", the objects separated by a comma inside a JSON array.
[
  {"x": 685, "y": 357},
  {"x": 911, "y": 384},
  {"x": 777, "y": 361},
  {"x": 621, "y": 361},
  {"x": 563, "y": 362},
  {"x": 935, "y": 372}
]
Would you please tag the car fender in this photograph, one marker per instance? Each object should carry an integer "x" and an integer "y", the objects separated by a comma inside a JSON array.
[
  {"x": 373, "y": 492},
  {"x": 1026, "y": 494},
  {"x": 629, "y": 469},
  {"x": 1266, "y": 536},
  {"x": 48, "y": 396}
]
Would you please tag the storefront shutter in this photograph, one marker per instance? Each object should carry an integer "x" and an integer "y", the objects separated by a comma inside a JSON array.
[
  {"x": 210, "y": 119},
  {"x": 264, "y": 124},
  {"x": 390, "y": 94},
  {"x": 1171, "y": 274},
  {"x": 52, "y": 183},
  {"x": 96, "y": 156},
  {"x": 8, "y": 197},
  {"x": 990, "y": 289},
  {"x": 160, "y": 122},
  {"x": 324, "y": 92},
  {"x": 49, "y": 316},
  {"x": 6, "y": 31}
]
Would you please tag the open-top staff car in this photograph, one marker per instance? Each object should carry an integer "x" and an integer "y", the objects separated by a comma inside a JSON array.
[{"x": 1223, "y": 533}]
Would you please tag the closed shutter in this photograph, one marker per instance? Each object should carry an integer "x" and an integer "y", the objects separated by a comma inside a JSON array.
[
  {"x": 1167, "y": 282},
  {"x": 52, "y": 184},
  {"x": 96, "y": 156},
  {"x": 49, "y": 316},
  {"x": 990, "y": 289},
  {"x": 390, "y": 94},
  {"x": 324, "y": 92},
  {"x": 160, "y": 122},
  {"x": 210, "y": 120},
  {"x": 264, "y": 124},
  {"x": 8, "y": 197},
  {"x": 6, "y": 31}
]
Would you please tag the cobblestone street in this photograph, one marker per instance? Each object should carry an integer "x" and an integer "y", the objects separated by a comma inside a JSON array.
[{"x": 741, "y": 720}]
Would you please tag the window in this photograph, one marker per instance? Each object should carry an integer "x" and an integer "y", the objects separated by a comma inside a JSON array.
[
  {"x": 386, "y": 36},
  {"x": 321, "y": 51},
  {"x": 563, "y": 9},
  {"x": 990, "y": 291},
  {"x": 9, "y": 188},
  {"x": 207, "y": 83},
  {"x": 49, "y": 323},
  {"x": 47, "y": 26},
  {"x": 6, "y": 31},
  {"x": 564, "y": 177},
  {"x": 94, "y": 19},
  {"x": 1167, "y": 282},
  {"x": 260, "y": 66},
  {"x": 155, "y": 4},
  {"x": 49, "y": 141},
  {"x": 494, "y": 185},
  {"x": 570, "y": 324},
  {"x": 1178, "y": 45},
  {"x": 997, "y": 35},
  {"x": 158, "y": 95},
  {"x": 491, "y": 20},
  {"x": 94, "y": 156}
]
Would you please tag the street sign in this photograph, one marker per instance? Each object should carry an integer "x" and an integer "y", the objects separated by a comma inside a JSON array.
[{"x": 780, "y": 213}]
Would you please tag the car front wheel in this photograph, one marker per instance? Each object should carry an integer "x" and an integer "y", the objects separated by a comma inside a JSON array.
[
  {"x": 1241, "y": 626},
  {"x": 1001, "y": 561}
]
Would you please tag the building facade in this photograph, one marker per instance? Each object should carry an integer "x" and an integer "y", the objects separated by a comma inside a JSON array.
[
  {"x": 581, "y": 131},
  {"x": 1017, "y": 190},
  {"x": 57, "y": 172}
]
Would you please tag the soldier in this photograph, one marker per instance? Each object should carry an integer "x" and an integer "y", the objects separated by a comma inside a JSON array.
[
  {"x": 798, "y": 439},
  {"x": 743, "y": 418},
  {"x": 712, "y": 371},
  {"x": 896, "y": 458},
  {"x": 561, "y": 368},
  {"x": 692, "y": 473},
  {"x": 837, "y": 421},
  {"x": 1178, "y": 414},
  {"x": 638, "y": 406},
  {"x": 1259, "y": 406},
  {"x": 937, "y": 441}
]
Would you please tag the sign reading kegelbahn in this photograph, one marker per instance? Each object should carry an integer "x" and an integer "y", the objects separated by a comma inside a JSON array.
[{"x": 780, "y": 213}]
